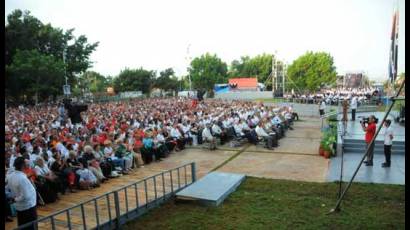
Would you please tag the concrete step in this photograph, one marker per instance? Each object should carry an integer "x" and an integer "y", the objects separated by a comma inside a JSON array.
[
  {"x": 377, "y": 142},
  {"x": 212, "y": 189},
  {"x": 377, "y": 145},
  {"x": 376, "y": 150}
]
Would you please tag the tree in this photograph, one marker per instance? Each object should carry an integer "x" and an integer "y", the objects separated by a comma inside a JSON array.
[
  {"x": 259, "y": 66},
  {"x": 35, "y": 74},
  {"x": 207, "y": 70},
  {"x": 134, "y": 80},
  {"x": 25, "y": 32},
  {"x": 312, "y": 70},
  {"x": 95, "y": 82},
  {"x": 399, "y": 80},
  {"x": 237, "y": 67},
  {"x": 167, "y": 80},
  {"x": 388, "y": 86}
]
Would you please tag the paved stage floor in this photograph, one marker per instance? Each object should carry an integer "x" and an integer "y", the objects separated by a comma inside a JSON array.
[
  {"x": 375, "y": 174},
  {"x": 369, "y": 174},
  {"x": 355, "y": 131}
]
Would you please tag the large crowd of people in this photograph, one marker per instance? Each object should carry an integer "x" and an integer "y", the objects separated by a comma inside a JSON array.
[
  {"x": 115, "y": 138},
  {"x": 335, "y": 96}
]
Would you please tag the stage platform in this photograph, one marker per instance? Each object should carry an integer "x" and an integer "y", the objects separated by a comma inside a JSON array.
[
  {"x": 354, "y": 148},
  {"x": 212, "y": 189},
  {"x": 355, "y": 131},
  {"x": 368, "y": 174}
]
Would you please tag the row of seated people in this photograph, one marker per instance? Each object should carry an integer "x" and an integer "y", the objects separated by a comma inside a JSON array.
[
  {"x": 157, "y": 143},
  {"x": 251, "y": 130}
]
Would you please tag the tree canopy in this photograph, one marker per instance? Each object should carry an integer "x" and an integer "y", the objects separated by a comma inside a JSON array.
[
  {"x": 32, "y": 74},
  {"x": 259, "y": 66},
  {"x": 135, "y": 80},
  {"x": 94, "y": 81},
  {"x": 167, "y": 80},
  {"x": 28, "y": 39},
  {"x": 207, "y": 70},
  {"x": 312, "y": 70}
]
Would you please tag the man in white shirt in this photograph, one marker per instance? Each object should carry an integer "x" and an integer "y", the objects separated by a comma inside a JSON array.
[
  {"x": 176, "y": 135},
  {"x": 159, "y": 144},
  {"x": 277, "y": 125},
  {"x": 255, "y": 119},
  {"x": 13, "y": 157},
  {"x": 217, "y": 131},
  {"x": 353, "y": 105},
  {"x": 262, "y": 134},
  {"x": 207, "y": 137},
  {"x": 322, "y": 108},
  {"x": 63, "y": 150},
  {"x": 25, "y": 194},
  {"x": 276, "y": 120},
  {"x": 388, "y": 141},
  {"x": 238, "y": 129}
]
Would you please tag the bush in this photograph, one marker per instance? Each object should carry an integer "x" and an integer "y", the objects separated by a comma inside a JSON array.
[{"x": 329, "y": 138}]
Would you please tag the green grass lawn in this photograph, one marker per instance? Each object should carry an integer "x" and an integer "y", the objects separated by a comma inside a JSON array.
[
  {"x": 280, "y": 204},
  {"x": 272, "y": 100}
]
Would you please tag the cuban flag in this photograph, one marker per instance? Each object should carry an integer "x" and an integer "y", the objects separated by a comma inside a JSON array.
[{"x": 394, "y": 47}]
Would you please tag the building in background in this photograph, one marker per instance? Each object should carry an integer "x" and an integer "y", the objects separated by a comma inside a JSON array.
[
  {"x": 239, "y": 84},
  {"x": 244, "y": 84},
  {"x": 353, "y": 80},
  {"x": 340, "y": 81}
]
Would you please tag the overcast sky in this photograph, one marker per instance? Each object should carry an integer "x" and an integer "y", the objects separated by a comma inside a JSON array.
[{"x": 155, "y": 34}]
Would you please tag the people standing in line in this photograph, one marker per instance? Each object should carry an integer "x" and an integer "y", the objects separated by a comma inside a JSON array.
[
  {"x": 370, "y": 130},
  {"x": 388, "y": 141},
  {"x": 322, "y": 108},
  {"x": 25, "y": 196},
  {"x": 353, "y": 106}
]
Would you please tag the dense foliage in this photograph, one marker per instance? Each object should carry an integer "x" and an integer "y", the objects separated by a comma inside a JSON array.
[
  {"x": 135, "y": 80},
  {"x": 207, "y": 70},
  {"x": 34, "y": 54},
  {"x": 312, "y": 70},
  {"x": 259, "y": 66}
]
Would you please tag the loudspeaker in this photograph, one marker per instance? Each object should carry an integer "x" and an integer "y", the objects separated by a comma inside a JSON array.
[{"x": 74, "y": 112}]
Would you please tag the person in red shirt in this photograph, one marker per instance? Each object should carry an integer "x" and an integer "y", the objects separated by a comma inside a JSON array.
[{"x": 370, "y": 130}]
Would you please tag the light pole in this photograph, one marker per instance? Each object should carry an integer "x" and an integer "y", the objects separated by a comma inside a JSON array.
[
  {"x": 65, "y": 68},
  {"x": 283, "y": 77},
  {"x": 188, "y": 58},
  {"x": 66, "y": 88}
]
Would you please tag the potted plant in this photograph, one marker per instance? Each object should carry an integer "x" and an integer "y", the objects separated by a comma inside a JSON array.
[
  {"x": 322, "y": 144},
  {"x": 326, "y": 150},
  {"x": 321, "y": 148},
  {"x": 330, "y": 143}
]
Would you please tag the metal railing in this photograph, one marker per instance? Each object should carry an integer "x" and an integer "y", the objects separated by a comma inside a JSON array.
[
  {"x": 324, "y": 117},
  {"x": 112, "y": 209}
]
